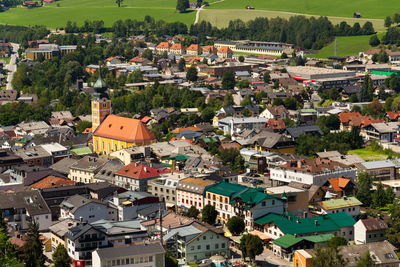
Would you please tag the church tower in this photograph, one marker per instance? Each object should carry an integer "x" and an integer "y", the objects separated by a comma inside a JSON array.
[{"x": 101, "y": 105}]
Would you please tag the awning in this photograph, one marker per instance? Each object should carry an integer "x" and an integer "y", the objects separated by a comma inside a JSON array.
[{"x": 261, "y": 235}]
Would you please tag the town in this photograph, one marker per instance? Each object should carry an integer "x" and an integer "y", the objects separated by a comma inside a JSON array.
[{"x": 180, "y": 150}]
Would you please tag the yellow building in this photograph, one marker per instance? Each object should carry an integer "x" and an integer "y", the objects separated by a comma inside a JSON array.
[
  {"x": 302, "y": 258},
  {"x": 116, "y": 133},
  {"x": 101, "y": 108}
]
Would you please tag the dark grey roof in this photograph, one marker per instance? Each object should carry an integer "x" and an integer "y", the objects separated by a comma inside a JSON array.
[
  {"x": 78, "y": 201},
  {"x": 31, "y": 201},
  {"x": 299, "y": 130},
  {"x": 106, "y": 173},
  {"x": 89, "y": 163},
  {"x": 63, "y": 165},
  {"x": 137, "y": 249}
]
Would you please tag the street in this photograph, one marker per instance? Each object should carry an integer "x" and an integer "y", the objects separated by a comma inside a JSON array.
[
  {"x": 12, "y": 66},
  {"x": 267, "y": 258}
]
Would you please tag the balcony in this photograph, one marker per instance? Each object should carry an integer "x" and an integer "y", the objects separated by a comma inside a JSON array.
[
  {"x": 90, "y": 248},
  {"x": 91, "y": 238}
]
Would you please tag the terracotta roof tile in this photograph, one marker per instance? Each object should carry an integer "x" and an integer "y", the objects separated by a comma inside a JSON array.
[
  {"x": 52, "y": 181},
  {"x": 139, "y": 171},
  {"x": 123, "y": 129}
]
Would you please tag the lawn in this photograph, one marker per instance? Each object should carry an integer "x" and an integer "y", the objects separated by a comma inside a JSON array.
[
  {"x": 338, "y": 8},
  {"x": 368, "y": 154},
  {"x": 221, "y": 17},
  {"x": 344, "y": 46},
  {"x": 80, "y": 10}
]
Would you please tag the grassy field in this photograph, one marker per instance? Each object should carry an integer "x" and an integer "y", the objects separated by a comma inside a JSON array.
[
  {"x": 344, "y": 46},
  {"x": 80, "y": 10},
  {"x": 337, "y": 8},
  {"x": 368, "y": 154},
  {"x": 221, "y": 17}
]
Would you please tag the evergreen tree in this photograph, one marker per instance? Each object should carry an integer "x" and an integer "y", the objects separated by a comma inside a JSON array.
[
  {"x": 363, "y": 190},
  {"x": 374, "y": 40},
  {"x": 251, "y": 246},
  {"x": 393, "y": 231},
  {"x": 379, "y": 197},
  {"x": 61, "y": 257},
  {"x": 33, "y": 247},
  {"x": 388, "y": 21},
  {"x": 191, "y": 74},
  {"x": 228, "y": 99},
  {"x": 267, "y": 77},
  {"x": 228, "y": 80},
  {"x": 328, "y": 257},
  {"x": 119, "y": 2},
  {"x": 181, "y": 64},
  {"x": 366, "y": 92},
  {"x": 337, "y": 241},
  {"x": 209, "y": 214},
  {"x": 192, "y": 212}
]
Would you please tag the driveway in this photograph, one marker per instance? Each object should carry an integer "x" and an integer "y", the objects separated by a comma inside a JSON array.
[{"x": 12, "y": 66}]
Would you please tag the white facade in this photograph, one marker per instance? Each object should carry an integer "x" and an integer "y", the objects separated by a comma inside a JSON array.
[
  {"x": 44, "y": 221},
  {"x": 187, "y": 199},
  {"x": 363, "y": 236},
  {"x": 81, "y": 176},
  {"x": 91, "y": 212},
  {"x": 287, "y": 175},
  {"x": 352, "y": 211}
]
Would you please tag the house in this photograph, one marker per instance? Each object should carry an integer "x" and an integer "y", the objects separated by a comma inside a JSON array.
[
  {"x": 89, "y": 210},
  {"x": 196, "y": 242},
  {"x": 116, "y": 133},
  {"x": 369, "y": 230},
  {"x": 20, "y": 208},
  {"x": 379, "y": 169},
  {"x": 348, "y": 120},
  {"x": 85, "y": 169},
  {"x": 57, "y": 151},
  {"x": 285, "y": 246},
  {"x": 130, "y": 203},
  {"x": 35, "y": 155},
  {"x": 8, "y": 160},
  {"x": 382, "y": 254},
  {"x": 165, "y": 187},
  {"x": 296, "y": 198},
  {"x": 84, "y": 238},
  {"x": 278, "y": 225},
  {"x": 224, "y": 52},
  {"x": 393, "y": 115},
  {"x": 271, "y": 141},
  {"x": 29, "y": 174},
  {"x": 59, "y": 230},
  {"x": 238, "y": 200},
  {"x": 232, "y": 125},
  {"x": 383, "y": 131},
  {"x": 311, "y": 171},
  {"x": 277, "y": 125},
  {"x": 275, "y": 112},
  {"x": 351, "y": 205},
  {"x": 135, "y": 176},
  {"x": 297, "y": 131},
  {"x": 190, "y": 192},
  {"x": 162, "y": 47},
  {"x": 394, "y": 184},
  {"x": 31, "y": 128},
  {"x": 339, "y": 187},
  {"x": 52, "y": 181},
  {"x": 149, "y": 254},
  {"x": 177, "y": 49},
  {"x": 194, "y": 50}
]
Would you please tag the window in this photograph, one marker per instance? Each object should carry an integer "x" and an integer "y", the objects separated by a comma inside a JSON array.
[
  {"x": 273, "y": 202},
  {"x": 216, "y": 246},
  {"x": 199, "y": 247},
  {"x": 223, "y": 245},
  {"x": 263, "y": 204},
  {"x": 192, "y": 248},
  {"x": 150, "y": 258},
  {"x": 204, "y": 237},
  {"x": 208, "y": 247}
]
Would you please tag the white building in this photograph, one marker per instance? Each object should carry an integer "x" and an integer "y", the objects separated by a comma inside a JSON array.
[
  {"x": 351, "y": 205},
  {"x": 369, "y": 230},
  {"x": 232, "y": 125}
]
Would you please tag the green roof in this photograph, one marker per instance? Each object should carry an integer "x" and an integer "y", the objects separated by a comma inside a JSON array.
[
  {"x": 250, "y": 196},
  {"x": 289, "y": 240},
  {"x": 81, "y": 151},
  {"x": 308, "y": 110},
  {"x": 340, "y": 203},
  {"x": 294, "y": 225},
  {"x": 179, "y": 157}
]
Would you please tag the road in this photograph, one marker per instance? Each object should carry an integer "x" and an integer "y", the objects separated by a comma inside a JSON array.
[
  {"x": 266, "y": 259},
  {"x": 12, "y": 66},
  {"x": 201, "y": 8}
]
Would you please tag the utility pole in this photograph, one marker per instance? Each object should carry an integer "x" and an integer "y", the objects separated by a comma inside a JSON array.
[{"x": 160, "y": 218}]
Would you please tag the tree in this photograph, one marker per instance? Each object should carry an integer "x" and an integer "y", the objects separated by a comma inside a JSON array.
[
  {"x": 148, "y": 54},
  {"x": 61, "y": 257},
  {"x": 192, "y": 212},
  {"x": 366, "y": 92},
  {"x": 365, "y": 260},
  {"x": 243, "y": 84},
  {"x": 246, "y": 101},
  {"x": 191, "y": 74},
  {"x": 119, "y": 2},
  {"x": 228, "y": 80},
  {"x": 393, "y": 231},
  {"x": 33, "y": 247},
  {"x": 209, "y": 214},
  {"x": 337, "y": 241},
  {"x": 228, "y": 99},
  {"x": 236, "y": 225},
  {"x": 82, "y": 126},
  {"x": 266, "y": 77},
  {"x": 182, "y": 5},
  {"x": 363, "y": 189},
  {"x": 251, "y": 246},
  {"x": 388, "y": 21},
  {"x": 327, "y": 257},
  {"x": 170, "y": 261},
  {"x": 181, "y": 64},
  {"x": 379, "y": 197},
  {"x": 241, "y": 58},
  {"x": 374, "y": 40}
]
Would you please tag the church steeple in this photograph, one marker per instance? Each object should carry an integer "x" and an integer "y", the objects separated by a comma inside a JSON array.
[{"x": 100, "y": 86}]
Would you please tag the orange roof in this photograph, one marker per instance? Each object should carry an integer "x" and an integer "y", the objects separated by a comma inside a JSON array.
[
  {"x": 338, "y": 183},
  {"x": 186, "y": 140},
  {"x": 276, "y": 124},
  {"x": 345, "y": 117},
  {"x": 393, "y": 115},
  {"x": 123, "y": 129},
  {"x": 225, "y": 49},
  {"x": 145, "y": 119},
  {"x": 177, "y": 46},
  {"x": 209, "y": 49},
  {"x": 110, "y": 58},
  {"x": 163, "y": 45},
  {"x": 52, "y": 181},
  {"x": 190, "y": 128},
  {"x": 139, "y": 171},
  {"x": 193, "y": 47}
]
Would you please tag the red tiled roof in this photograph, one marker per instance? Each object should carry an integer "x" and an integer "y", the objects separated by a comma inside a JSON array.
[
  {"x": 52, "y": 181},
  {"x": 193, "y": 47},
  {"x": 276, "y": 124},
  {"x": 209, "y": 49},
  {"x": 345, "y": 117},
  {"x": 163, "y": 45},
  {"x": 145, "y": 119},
  {"x": 338, "y": 183},
  {"x": 229, "y": 146},
  {"x": 190, "y": 128},
  {"x": 177, "y": 47},
  {"x": 123, "y": 129},
  {"x": 225, "y": 49},
  {"x": 393, "y": 115},
  {"x": 139, "y": 171}
]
